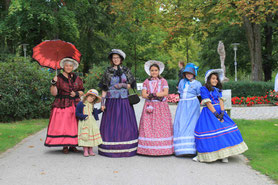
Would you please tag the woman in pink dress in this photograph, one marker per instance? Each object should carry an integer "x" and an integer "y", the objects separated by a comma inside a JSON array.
[
  {"x": 155, "y": 130},
  {"x": 67, "y": 87}
]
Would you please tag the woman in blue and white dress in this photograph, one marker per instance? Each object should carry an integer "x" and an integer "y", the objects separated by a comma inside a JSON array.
[
  {"x": 217, "y": 135},
  {"x": 187, "y": 113}
]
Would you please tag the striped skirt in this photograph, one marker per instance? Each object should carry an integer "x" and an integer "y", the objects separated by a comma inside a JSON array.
[
  {"x": 156, "y": 130},
  {"x": 62, "y": 129},
  {"x": 118, "y": 129},
  {"x": 187, "y": 115},
  {"x": 217, "y": 140}
]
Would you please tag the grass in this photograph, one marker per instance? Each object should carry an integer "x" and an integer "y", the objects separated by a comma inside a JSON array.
[
  {"x": 13, "y": 133},
  {"x": 261, "y": 136}
]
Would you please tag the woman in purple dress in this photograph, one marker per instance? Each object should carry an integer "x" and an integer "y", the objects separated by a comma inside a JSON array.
[{"x": 118, "y": 127}]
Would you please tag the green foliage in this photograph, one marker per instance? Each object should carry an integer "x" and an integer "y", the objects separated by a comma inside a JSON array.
[
  {"x": 239, "y": 88},
  {"x": 94, "y": 24},
  {"x": 24, "y": 90},
  {"x": 261, "y": 138},
  {"x": 94, "y": 76},
  {"x": 209, "y": 57},
  {"x": 247, "y": 88},
  {"x": 173, "y": 86},
  {"x": 13, "y": 133}
]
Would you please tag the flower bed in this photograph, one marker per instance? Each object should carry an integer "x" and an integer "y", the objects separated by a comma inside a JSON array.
[
  {"x": 271, "y": 97},
  {"x": 173, "y": 98}
]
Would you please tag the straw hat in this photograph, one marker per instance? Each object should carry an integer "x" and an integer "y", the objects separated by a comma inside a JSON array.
[{"x": 95, "y": 93}]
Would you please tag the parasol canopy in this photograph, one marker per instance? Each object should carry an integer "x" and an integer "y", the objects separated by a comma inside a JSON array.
[{"x": 49, "y": 53}]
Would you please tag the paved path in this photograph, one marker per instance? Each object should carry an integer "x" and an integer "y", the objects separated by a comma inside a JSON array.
[
  {"x": 31, "y": 163},
  {"x": 251, "y": 113}
]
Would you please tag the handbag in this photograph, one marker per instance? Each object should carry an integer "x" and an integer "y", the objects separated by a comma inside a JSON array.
[{"x": 133, "y": 98}]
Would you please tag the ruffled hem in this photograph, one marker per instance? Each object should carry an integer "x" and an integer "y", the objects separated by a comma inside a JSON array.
[
  {"x": 223, "y": 153},
  {"x": 90, "y": 143}
]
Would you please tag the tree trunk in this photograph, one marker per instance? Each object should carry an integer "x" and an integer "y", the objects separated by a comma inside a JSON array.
[
  {"x": 268, "y": 47},
  {"x": 7, "y": 4},
  {"x": 253, "y": 34}
]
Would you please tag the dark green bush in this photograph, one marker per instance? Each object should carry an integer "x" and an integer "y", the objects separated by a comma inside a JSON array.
[
  {"x": 239, "y": 89},
  {"x": 172, "y": 86},
  {"x": 92, "y": 79},
  {"x": 247, "y": 88},
  {"x": 24, "y": 90}
]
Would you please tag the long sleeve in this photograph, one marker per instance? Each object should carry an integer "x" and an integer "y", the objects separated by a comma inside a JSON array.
[
  {"x": 79, "y": 111},
  {"x": 205, "y": 94},
  {"x": 198, "y": 90},
  {"x": 130, "y": 78},
  {"x": 96, "y": 112}
]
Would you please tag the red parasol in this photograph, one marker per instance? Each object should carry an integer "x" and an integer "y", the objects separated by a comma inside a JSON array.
[{"x": 49, "y": 53}]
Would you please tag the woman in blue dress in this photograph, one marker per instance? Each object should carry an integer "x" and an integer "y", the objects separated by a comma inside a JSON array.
[
  {"x": 217, "y": 136},
  {"x": 188, "y": 112}
]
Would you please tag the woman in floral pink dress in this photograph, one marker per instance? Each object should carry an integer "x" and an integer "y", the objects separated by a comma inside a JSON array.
[{"x": 155, "y": 130}]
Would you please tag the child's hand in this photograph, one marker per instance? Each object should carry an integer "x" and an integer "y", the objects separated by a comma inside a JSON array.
[
  {"x": 159, "y": 94},
  {"x": 221, "y": 120},
  {"x": 103, "y": 108}
]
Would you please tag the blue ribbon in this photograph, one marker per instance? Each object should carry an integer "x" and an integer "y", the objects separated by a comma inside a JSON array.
[{"x": 196, "y": 69}]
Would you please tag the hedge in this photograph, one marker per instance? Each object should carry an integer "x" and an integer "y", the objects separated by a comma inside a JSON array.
[
  {"x": 239, "y": 89},
  {"x": 247, "y": 88},
  {"x": 24, "y": 90}
]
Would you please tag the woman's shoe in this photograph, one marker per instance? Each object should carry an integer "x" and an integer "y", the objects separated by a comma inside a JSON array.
[
  {"x": 73, "y": 149},
  {"x": 91, "y": 153},
  {"x": 225, "y": 160},
  {"x": 195, "y": 159},
  {"x": 65, "y": 150}
]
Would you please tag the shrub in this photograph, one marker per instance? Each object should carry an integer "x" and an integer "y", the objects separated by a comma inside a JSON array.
[
  {"x": 172, "y": 86},
  {"x": 239, "y": 89},
  {"x": 247, "y": 88},
  {"x": 24, "y": 90},
  {"x": 92, "y": 79}
]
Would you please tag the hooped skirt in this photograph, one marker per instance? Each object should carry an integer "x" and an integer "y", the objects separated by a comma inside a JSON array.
[
  {"x": 217, "y": 140},
  {"x": 118, "y": 129},
  {"x": 62, "y": 128},
  {"x": 156, "y": 130}
]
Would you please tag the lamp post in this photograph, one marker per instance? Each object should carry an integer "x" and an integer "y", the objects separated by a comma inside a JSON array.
[
  {"x": 24, "y": 49},
  {"x": 235, "y": 49}
]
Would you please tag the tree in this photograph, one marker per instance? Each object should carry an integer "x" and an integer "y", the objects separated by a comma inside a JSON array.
[
  {"x": 30, "y": 22},
  {"x": 142, "y": 30},
  {"x": 94, "y": 25},
  {"x": 269, "y": 41},
  {"x": 250, "y": 13}
]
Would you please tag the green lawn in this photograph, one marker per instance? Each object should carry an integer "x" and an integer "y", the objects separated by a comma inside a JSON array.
[
  {"x": 261, "y": 137},
  {"x": 13, "y": 133}
]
